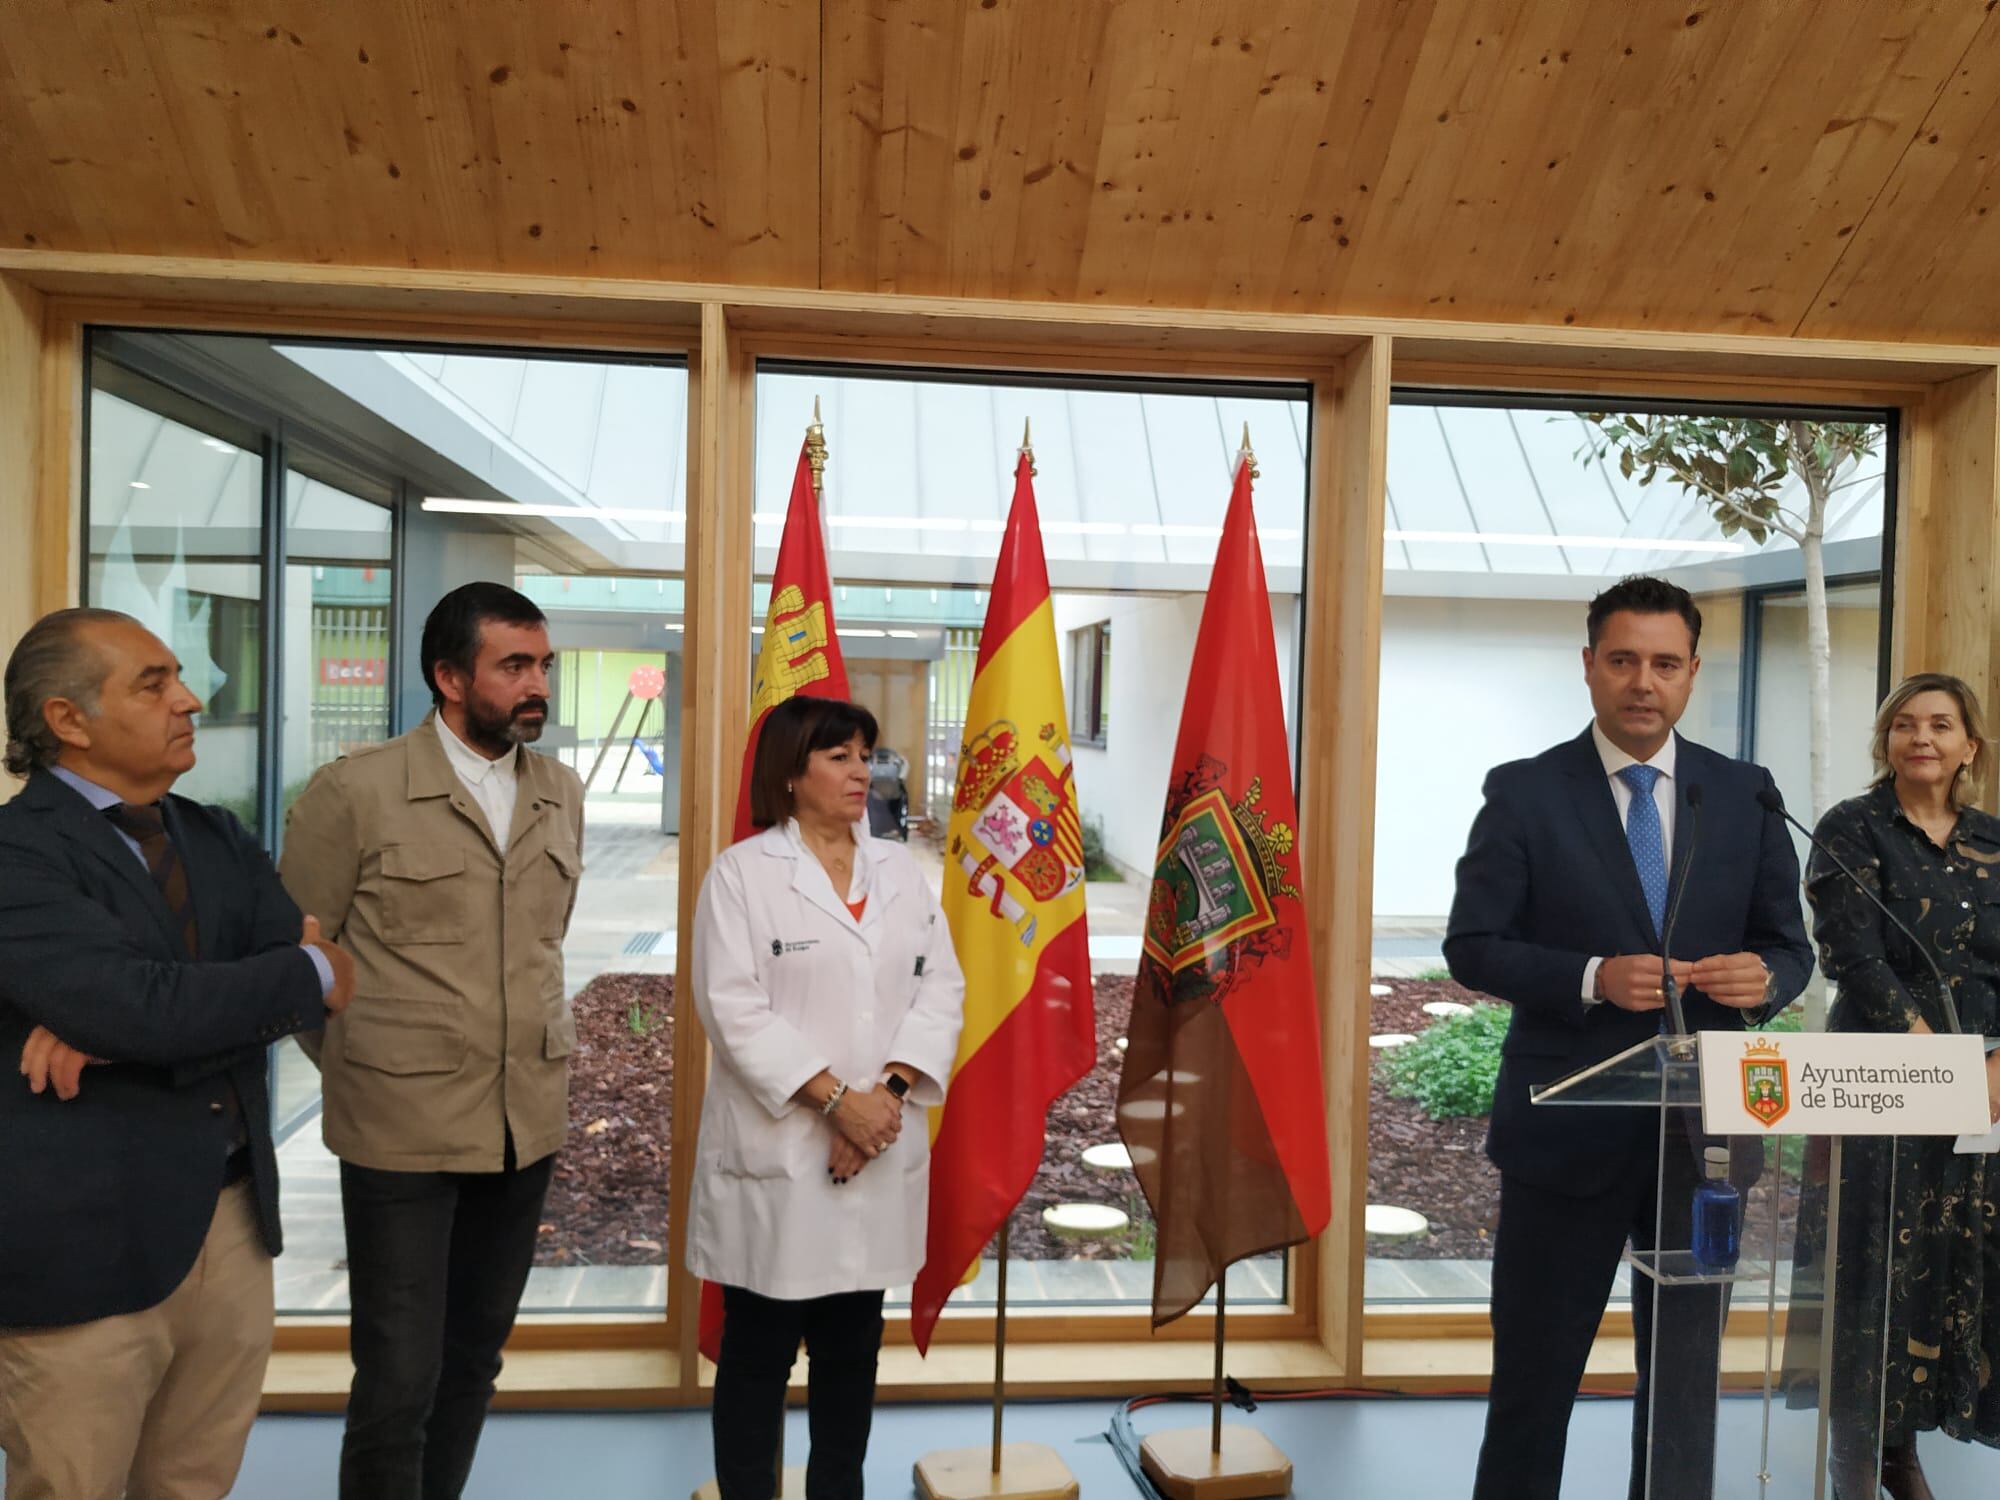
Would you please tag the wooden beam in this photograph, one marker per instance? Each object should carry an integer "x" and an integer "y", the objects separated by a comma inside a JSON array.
[
  {"x": 21, "y": 308},
  {"x": 715, "y": 708},
  {"x": 59, "y": 464},
  {"x": 190, "y": 284},
  {"x": 1342, "y": 631},
  {"x": 1947, "y": 564}
]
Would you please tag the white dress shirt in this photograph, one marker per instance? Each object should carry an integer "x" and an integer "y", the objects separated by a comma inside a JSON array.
[
  {"x": 495, "y": 784},
  {"x": 1664, "y": 798}
]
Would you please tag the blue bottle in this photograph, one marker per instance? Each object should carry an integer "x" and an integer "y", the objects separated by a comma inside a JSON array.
[{"x": 1718, "y": 1215}]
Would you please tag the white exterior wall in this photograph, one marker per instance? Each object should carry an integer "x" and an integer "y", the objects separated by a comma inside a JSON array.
[{"x": 1124, "y": 783}]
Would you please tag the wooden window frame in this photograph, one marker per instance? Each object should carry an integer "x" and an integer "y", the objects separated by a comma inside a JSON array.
[{"x": 1946, "y": 552}]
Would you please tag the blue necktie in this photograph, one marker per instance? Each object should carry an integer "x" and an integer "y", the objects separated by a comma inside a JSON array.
[{"x": 1647, "y": 841}]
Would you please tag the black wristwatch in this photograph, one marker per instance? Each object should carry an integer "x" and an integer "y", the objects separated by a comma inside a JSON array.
[{"x": 897, "y": 1084}]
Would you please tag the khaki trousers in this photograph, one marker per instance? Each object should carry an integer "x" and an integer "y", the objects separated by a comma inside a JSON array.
[{"x": 152, "y": 1405}]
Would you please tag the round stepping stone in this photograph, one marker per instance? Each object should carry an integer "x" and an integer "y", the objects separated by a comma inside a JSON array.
[
  {"x": 1382, "y": 1041},
  {"x": 1446, "y": 1008},
  {"x": 1084, "y": 1221},
  {"x": 1151, "y": 1109},
  {"x": 1379, "y": 990},
  {"x": 1110, "y": 1157},
  {"x": 1389, "y": 1223},
  {"x": 1119, "y": 1044}
]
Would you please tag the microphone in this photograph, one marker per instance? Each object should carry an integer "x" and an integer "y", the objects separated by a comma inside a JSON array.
[
  {"x": 1668, "y": 989},
  {"x": 1772, "y": 802}
]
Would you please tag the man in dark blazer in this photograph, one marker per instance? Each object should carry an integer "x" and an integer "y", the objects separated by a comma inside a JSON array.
[
  {"x": 1559, "y": 909},
  {"x": 146, "y": 934}
]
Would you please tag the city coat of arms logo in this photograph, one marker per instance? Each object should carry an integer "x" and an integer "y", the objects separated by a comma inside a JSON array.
[
  {"x": 1766, "y": 1091},
  {"x": 1024, "y": 844},
  {"x": 1220, "y": 870}
]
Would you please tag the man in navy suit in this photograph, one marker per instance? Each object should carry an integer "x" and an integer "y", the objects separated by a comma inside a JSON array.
[
  {"x": 1560, "y": 904},
  {"x": 147, "y": 934}
]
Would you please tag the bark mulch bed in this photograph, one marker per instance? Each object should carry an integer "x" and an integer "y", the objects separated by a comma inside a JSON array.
[
  {"x": 1437, "y": 1167},
  {"x": 607, "y": 1203}
]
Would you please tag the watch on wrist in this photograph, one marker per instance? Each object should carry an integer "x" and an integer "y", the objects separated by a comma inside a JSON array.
[
  {"x": 897, "y": 1084},
  {"x": 1770, "y": 981}
]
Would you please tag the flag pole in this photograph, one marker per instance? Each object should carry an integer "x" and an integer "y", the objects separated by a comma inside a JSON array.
[
  {"x": 1223, "y": 1463},
  {"x": 1000, "y": 1344},
  {"x": 816, "y": 457},
  {"x": 1024, "y": 1471},
  {"x": 1215, "y": 1420},
  {"x": 1000, "y": 1297}
]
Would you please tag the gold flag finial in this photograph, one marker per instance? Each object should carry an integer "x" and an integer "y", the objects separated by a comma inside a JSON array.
[
  {"x": 1028, "y": 448},
  {"x": 816, "y": 448},
  {"x": 1245, "y": 454}
]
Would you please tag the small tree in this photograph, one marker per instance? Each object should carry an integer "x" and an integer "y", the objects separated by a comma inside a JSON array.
[{"x": 1738, "y": 467}]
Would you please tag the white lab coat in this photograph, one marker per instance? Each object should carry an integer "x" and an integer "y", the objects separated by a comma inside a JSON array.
[{"x": 786, "y": 983}]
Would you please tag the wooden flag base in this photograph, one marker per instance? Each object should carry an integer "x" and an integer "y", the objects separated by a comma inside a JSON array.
[
  {"x": 793, "y": 1487},
  {"x": 1028, "y": 1471},
  {"x": 1185, "y": 1466}
]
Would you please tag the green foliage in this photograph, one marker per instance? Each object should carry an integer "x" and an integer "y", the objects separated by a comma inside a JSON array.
[
  {"x": 1738, "y": 465},
  {"x": 640, "y": 1019},
  {"x": 1450, "y": 1069},
  {"x": 1097, "y": 864},
  {"x": 1791, "y": 1018},
  {"x": 1435, "y": 976},
  {"x": 1142, "y": 1236}
]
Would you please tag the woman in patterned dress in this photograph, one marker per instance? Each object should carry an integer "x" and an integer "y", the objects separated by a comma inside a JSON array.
[{"x": 1927, "y": 1353}]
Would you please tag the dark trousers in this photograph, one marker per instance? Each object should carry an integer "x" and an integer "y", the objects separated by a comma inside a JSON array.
[
  {"x": 760, "y": 1342},
  {"x": 436, "y": 1264},
  {"x": 1554, "y": 1259}
]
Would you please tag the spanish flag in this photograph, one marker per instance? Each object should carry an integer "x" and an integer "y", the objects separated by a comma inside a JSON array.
[
  {"x": 799, "y": 652},
  {"x": 1013, "y": 894}
]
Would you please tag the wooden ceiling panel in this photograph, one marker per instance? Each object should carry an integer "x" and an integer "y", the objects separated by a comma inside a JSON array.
[
  {"x": 1928, "y": 256},
  {"x": 624, "y": 137},
  {"x": 1639, "y": 164},
  {"x": 1784, "y": 166}
]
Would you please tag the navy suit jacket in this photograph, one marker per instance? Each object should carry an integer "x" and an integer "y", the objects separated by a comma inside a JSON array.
[
  {"x": 105, "y": 1199},
  {"x": 1547, "y": 883}
]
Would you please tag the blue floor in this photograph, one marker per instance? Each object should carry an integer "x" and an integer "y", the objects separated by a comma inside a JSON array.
[{"x": 1402, "y": 1449}]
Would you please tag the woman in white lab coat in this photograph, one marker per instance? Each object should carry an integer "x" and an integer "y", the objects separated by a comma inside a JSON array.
[{"x": 824, "y": 975}]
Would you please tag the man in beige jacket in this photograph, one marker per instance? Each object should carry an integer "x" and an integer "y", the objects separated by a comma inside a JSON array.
[{"x": 446, "y": 862}]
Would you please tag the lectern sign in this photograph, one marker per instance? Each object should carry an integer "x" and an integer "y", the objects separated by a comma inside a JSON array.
[{"x": 1842, "y": 1083}]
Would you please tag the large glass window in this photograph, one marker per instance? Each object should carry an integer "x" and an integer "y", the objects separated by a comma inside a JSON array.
[
  {"x": 1132, "y": 483},
  {"x": 296, "y": 608},
  {"x": 1502, "y": 523},
  {"x": 176, "y": 540}
]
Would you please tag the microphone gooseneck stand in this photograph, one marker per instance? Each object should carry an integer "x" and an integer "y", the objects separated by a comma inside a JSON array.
[{"x": 1772, "y": 802}]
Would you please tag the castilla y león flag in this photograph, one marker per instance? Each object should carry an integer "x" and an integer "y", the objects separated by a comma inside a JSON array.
[
  {"x": 1013, "y": 894},
  {"x": 798, "y": 652},
  {"x": 1220, "y": 1101}
]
